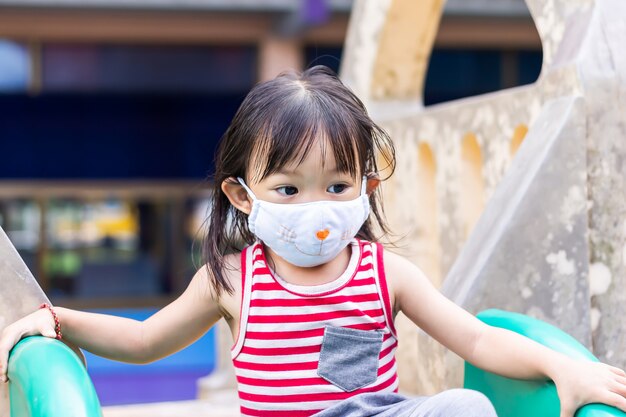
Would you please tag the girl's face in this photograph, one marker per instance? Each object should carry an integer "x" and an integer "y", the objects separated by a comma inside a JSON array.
[{"x": 315, "y": 179}]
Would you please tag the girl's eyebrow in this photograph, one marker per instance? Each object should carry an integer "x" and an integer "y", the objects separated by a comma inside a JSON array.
[
  {"x": 294, "y": 172},
  {"x": 284, "y": 171}
]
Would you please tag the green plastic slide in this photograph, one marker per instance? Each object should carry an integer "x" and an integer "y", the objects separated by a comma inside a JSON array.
[
  {"x": 47, "y": 379},
  {"x": 522, "y": 398}
]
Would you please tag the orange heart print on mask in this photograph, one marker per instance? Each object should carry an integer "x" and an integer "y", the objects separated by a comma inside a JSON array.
[{"x": 322, "y": 234}]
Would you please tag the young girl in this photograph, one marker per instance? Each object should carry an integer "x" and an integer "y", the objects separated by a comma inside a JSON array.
[{"x": 311, "y": 298}]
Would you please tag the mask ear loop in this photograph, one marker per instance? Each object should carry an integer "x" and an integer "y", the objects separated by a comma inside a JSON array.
[
  {"x": 243, "y": 184},
  {"x": 364, "y": 185}
]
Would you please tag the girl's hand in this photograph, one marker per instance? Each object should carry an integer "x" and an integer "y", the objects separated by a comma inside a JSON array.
[
  {"x": 582, "y": 382},
  {"x": 40, "y": 322}
]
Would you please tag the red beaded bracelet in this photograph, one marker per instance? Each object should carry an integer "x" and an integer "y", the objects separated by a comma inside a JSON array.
[{"x": 57, "y": 324}]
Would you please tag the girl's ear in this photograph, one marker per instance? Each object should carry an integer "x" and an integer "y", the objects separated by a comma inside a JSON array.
[
  {"x": 373, "y": 181},
  {"x": 237, "y": 195}
]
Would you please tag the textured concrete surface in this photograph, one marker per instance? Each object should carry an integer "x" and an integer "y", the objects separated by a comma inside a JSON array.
[
  {"x": 551, "y": 241},
  {"x": 19, "y": 295}
]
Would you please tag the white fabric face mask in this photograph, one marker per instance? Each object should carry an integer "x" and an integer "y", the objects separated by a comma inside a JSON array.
[{"x": 307, "y": 234}]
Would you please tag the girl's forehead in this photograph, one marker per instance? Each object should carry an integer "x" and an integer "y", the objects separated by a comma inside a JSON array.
[
  {"x": 315, "y": 156},
  {"x": 317, "y": 159}
]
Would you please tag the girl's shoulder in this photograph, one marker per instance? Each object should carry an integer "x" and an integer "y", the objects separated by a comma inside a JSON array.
[
  {"x": 232, "y": 271},
  {"x": 230, "y": 303},
  {"x": 401, "y": 274},
  {"x": 231, "y": 274},
  {"x": 394, "y": 260}
]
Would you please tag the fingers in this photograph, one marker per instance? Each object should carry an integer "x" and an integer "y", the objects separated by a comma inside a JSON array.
[
  {"x": 616, "y": 370},
  {"x": 617, "y": 380},
  {"x": 3, "y": 365},
  {"x": 619, "y": 386},
  {"x": 13, "y": 333},
  {"x": 7, "y": 340},
  {"x": 47, "y": 332},
  {"x": 601, "y": 384},
  {"x": 620, "y": 379},
  {"x": 616, "y": 400},
  {"x": 616, "y": 396}
]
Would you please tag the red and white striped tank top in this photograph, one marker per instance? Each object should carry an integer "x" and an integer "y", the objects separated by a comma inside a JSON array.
[{"x": 282, "y": 327}]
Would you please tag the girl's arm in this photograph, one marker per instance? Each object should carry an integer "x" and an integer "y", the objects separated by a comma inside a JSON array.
[
  {"x": 499, "y": 350},
  {"x": 167, "y": 331}
]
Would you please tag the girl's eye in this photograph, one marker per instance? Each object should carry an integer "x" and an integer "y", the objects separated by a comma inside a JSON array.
[
  {"x": 287, "y": 190},
  {"x": 337, "y": 188}
]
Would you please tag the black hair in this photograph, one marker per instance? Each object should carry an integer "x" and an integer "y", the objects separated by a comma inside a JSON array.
[{"x": 276, "y": 124}]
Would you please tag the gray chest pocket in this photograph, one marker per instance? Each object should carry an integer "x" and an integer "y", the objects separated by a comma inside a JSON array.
[{"x": 349, "y": 357}]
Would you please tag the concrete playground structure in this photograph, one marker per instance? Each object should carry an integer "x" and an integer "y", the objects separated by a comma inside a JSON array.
[{"x": 542, "y": 233}]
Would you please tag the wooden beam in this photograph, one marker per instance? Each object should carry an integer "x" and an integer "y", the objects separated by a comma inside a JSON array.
[
  {"x": 87, "y": 189},
  {"x": 130, "y": 26},
  {"x": 152, "y": 26}
]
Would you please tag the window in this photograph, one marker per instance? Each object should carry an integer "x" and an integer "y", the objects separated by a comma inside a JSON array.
[
  {"x": 458, "y": 73},
  {"x": 15, "y": 67},
  {"x": 147, "y": 68}
]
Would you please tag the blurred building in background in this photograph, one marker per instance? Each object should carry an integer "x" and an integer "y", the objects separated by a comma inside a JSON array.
[{"x": 110, "y": 111}]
